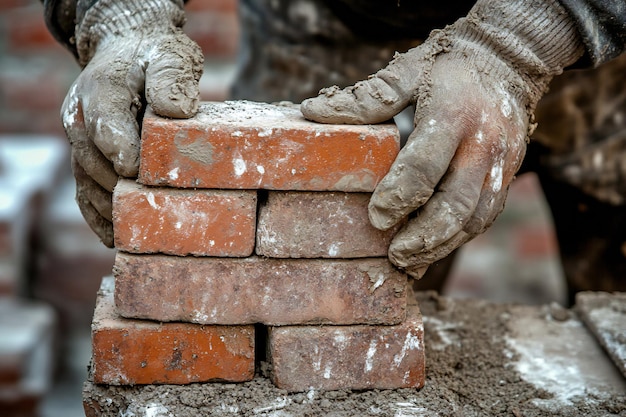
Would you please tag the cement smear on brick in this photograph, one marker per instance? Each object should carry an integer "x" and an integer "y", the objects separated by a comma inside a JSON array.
[{"x": 476, "y": 366}]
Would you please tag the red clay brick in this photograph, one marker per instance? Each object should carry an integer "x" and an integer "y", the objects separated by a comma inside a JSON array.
[
  {"x": 26, "y": 28},
  {"x": 349, "y": 357},
  {"x": 224, "y": 6},
  {"x": 246, "y": 145},
  {"x": 319, "y": 225},
  {"x": 183, "y": 222},
  {"x": 217, "y": 33},
  {"x": 128, "y": 352},
  {"x": 259, "y": 290}
]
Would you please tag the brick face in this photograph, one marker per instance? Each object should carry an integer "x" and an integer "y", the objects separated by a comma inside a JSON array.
[
  {"x": 258, "y": 290},
  {"x": 349, "y": 357},
  {"x": 128, "y": 352},
  {"x": 183, "y": 222},
  {"x": 216, "y": 32},
  {"x": 319, "y": 225},
  {"x": 27, "y": 29},
  {"x": 247, "y": 145}
]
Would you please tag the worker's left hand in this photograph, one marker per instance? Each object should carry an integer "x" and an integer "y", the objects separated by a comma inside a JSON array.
[{"x": 474, "y": 101}]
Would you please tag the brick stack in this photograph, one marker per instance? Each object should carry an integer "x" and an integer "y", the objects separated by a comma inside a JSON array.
[{"x": 249, "y": 219}]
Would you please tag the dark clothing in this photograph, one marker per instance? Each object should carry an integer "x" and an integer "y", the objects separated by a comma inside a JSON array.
[{"x": 602, "y": 23}]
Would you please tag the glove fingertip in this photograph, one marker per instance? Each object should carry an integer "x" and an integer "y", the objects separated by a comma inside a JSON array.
[
  {"x": 380, "y": 218},
  {"x": 175, "y": 100}
]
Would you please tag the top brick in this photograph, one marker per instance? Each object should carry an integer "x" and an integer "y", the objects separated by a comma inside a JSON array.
[{"x": 247, "y": 145}]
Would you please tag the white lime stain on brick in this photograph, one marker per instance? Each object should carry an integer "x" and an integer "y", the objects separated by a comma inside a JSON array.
[
  {"x": 260, "y": 169},
  {"x": 328, "y": 371},
  {"x": 333, "y": 250},
  {"x": 317, "y": 362},
  {"x": 173, "y": 174},
  {"x": 151, "y": 201},
  {"x": 380, "y": 280},
  {"x": 265, "y": 133},
  {"x": 239, "y": 166},
  {"x": 411, "y": 342},
  {"x": 369, "y": 358},
  {"x": 341, "y": 340},
  {"x": 199, "y": 317}
]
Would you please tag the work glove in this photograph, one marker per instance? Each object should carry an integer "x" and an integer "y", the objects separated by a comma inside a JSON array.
[
  {"x": 474, "y": 85},
  {"x": 132, "y": 52}
]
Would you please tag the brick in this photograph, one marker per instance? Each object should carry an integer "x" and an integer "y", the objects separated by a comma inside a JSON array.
[
  {"x": 26, "y": 28},
  {"x": 6, "y": 5},
  {"x": 349, "y": 357},
  {"x": 217, "y": 33},
  {"x": 319, "y": 225},
  {"x": 246, "y": 145},
  {"x": 183, "y": 222},
  {"x": 532, "y": 241},
  {"x": 224, "y": 6},
  {"x": 259, "y": 290},
  {"x": 129, "y": 352}
]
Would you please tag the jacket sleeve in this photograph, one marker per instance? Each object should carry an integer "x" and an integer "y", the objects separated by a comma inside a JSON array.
[
  {"x": 602, "y": 25},
  {"x": 61, "y": 18}
]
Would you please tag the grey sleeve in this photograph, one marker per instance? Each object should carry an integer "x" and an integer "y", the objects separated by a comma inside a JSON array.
[{"x": 602, "y": 24}]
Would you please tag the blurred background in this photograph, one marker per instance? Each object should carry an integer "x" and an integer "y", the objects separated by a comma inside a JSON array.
[{"x": 51, "y": 264}]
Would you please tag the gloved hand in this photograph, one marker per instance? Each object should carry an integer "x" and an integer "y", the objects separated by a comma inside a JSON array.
[
  {"x": 132, "y": 52},
  {"x": 475, "y": 85}
]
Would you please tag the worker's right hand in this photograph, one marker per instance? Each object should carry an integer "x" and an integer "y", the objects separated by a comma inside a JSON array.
[{"x": 133, "y": 52}]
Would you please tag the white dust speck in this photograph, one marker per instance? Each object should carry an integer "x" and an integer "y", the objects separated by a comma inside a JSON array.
[
  {"x": 333, "y": 250},
  {"x": 265, "y": 133},
  {"x": 278, "y": 404},
  {"x": 240, "y": 166},
  {"x": 153, "y": 204},
  {"x": 380, "y": 280},
  {"x": 156, "y": 410},
  {"x": 173, "y": 174}
]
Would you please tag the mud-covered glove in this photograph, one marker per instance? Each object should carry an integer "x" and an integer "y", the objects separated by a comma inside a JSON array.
[
  {"x": 131, "y": 51},
  {"x": 475, "y": 85}
]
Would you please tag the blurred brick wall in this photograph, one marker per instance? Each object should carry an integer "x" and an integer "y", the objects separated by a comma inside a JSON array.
[{"x": 36, "y": 72}]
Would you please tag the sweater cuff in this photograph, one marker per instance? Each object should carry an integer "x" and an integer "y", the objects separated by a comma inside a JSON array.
[{"x": 109, "y": 18}]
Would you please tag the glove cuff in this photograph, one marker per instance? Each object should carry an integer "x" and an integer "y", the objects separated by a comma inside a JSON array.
[
  {"x": 109, "y": 18},
  {"x": 533, "y": 40}
]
